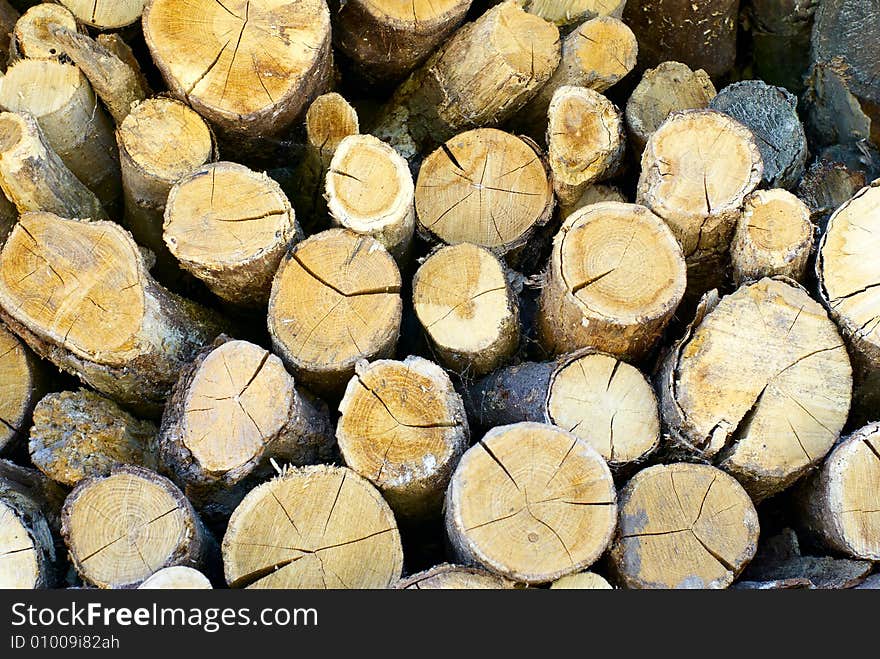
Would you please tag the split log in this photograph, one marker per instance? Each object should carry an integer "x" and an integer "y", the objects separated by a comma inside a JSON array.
[
  {"x": 250, "y": 67},
  {"x": 177, "y": 577},
  {"x": 60, "y": 98},
  {"x": 335, "y": 300},
  {"x": 114, "y": 43},
  {"x": 774, "y": 236},
  {"x": 23, "y": 380},
  {"x": 826, "y": 186},
  {"x": 532, "y": 503},
  {"x": 849, "y": 286},
  {"x": 841, "y": 30},
  {"x": 79, "y": 434},
  {"x": 313, "y": 527},
  {"x": 596, "y": 56},
  {"x": 697, "y": 169},
  {"x": 771, "y": 114},
  {"x": 671, "y": 87},
  {"x": 32, "y": 37},
  {"x": 841, "y": 502},
  {"x": 585, "y": 141},
  {"x": 760, "y": 384},
  {"x": 570, "y": 12},
  {"x": 8, "y": 18},
  {"x": 369, "y": 189},
  {"x": 27, "y": 547},
  {"x": 386, "y": 39},
  {"x": 833, "y": 114},
  {"x": 115, "y": 81},
  {"x": 34, "y": 177},
  {"x": 699, "y": 34},
  {"x": 581, "y": 581},
  {"x": 683, "y": 526},
  {"x": 79, "y": 295},
  {"x": 106, "y": 14},
  {"x": 453, "y": 577},
  {"x": 482, "y": 76},
  {"x": 329, "y": 120},
  {"x": 403, "y": 428},
  {"x": 160, "y": 142},
  {"x": 466, "y": 305},
  {"x": 232, "y": 411},
  {"x": 229, "y": 226},
  {"x": 781, "y": 31},
  {"x": 485, "y": 187},
  {"x": 615, "y": 279},
  {"x": 592, "y": 194},
  {"x": 120, "y": 529}
]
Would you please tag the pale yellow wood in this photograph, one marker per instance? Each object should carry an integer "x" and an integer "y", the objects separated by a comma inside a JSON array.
[
  {"x": 615, "y": 278},
  {"x": 19, "y": 568},
  {"x": 403, "y": 427},
  {"x": 453, "y": 577},
  {"x": 532, "y": 503},
  {"x": 607, "y": 403},
  {"x": 567, "y": 12},
  {"x": 683, "y": 526},
  {"x": 592, "y": 194},
  {"x": 486, "y": 187},
  {"x": 313, "y": 527},
  {"x": 329, "y": 120},
  {"x": 106, "y": 14},
  {"x": 19, "y": 386},
  {"x": 32, "y": 37},
  {"x": 335, "y": 300},
  {"x": 581, "y": 581},
  {"x": 178, "y": 577},
  {"x": 466, "y": 306}
]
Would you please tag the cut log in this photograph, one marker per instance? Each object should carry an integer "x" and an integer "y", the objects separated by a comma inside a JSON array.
[
  {"x": 335, "y": 300},
  {"x": 826, "y": 186},
  {"x": 585, "y": 141},
  {"x": 697, "y": 169},
  {"x": 607, "y": 403},
  {"x": 532, "y": 503},
  {"x": 841, "y": 502},
  {"x": 60, "y": 98},
  {"x": 233, "y": 410},
  {"x": 700, "y": 34},
  {"x": 453, "y": 577},
  {"x": 671, "y": 87},
  {"x": 79, "y": 295},
  {"x": 482, "y": 76},
  {"x": 615, "y": 279},
  {"x": 27, "y": 547},
  {"x": 683, "y": 526},
  {"x": 774, "y": 236},
  {"x": 160, "y": 142},
  {"x": 760, "y": 384},
  {"x": 106, "y": 14},
  {"x": 79, "y": 434},
  {"x": 781, "y": 31},
  {"x": 485, "y": 187},
  {"x": 592, "y": 194},
  {"x": 122, "y": 528},
  {"x": 849, "y": 286},
  {"x": 403, "y": 428},
  {"x": 841, "y": 30},
  {"x": 467, "y": 308},
  {"x": 386, "y": 39},
  {"x": 771, "y": 114},
  {"x": 250, "y": 67},
  {"x": 35, "y": 485},
  {"x": 596, "y": 55},
  {"x": 9, "y": 16},
  {"x": 313, "y": 527},
  {"x": 23, "y": 380},
  {"x": 570, "y": 12},
  {"x": 32, "y": 37},
  {"x": 369, "y": 189},
  {"x": 177, "y": 577},
  {"x": 229, "y": 226},
  {"x": 833, "y": 114},
  {"x": 329, "y": 120},
  {"x": 115, "y": 81},
  {"x": 581, "y": 581}
]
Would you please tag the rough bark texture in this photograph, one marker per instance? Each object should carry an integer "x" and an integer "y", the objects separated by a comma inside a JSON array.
[
  {"x": 23, "y": 380},
  {"x": 453, "y": 577},
  {"x": 781, "y": 31}
]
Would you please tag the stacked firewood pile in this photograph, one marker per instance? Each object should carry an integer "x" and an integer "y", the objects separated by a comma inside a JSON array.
[{"x": 440, "y": 294}]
